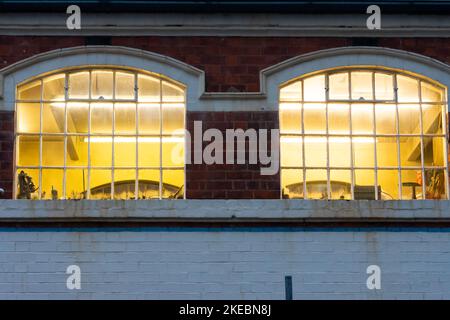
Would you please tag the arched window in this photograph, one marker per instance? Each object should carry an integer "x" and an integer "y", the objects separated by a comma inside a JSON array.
[
  {"x": 100, "y": 133},
  {"x": 363, "y": 133}
]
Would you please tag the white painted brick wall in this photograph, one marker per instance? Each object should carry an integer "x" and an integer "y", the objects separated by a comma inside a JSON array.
[{"x": 226, "y": 264}]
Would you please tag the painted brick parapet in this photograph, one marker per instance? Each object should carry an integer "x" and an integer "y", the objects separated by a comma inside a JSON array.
[
  {"x": 6, "y": 153},
  {"x": 222, "y": 181},
  {"x": 240, "y": 210},
  {"x": 175, "y": 263}
]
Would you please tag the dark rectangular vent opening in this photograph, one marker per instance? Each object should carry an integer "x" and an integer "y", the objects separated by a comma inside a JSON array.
[
  {"x": 97, "y": 41},
  {"x": 365, "y": 42}
]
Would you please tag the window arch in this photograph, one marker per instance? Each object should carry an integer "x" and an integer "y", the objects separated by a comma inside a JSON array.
[
  {"x": 363, "y": 133},
  {"x": 100, "y": 133}
]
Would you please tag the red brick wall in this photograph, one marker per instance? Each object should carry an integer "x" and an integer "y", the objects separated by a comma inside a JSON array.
[
  {"x": 227, "y": 61},
  {"x": 6, "y": 153},
  {"x": 221, "y": 181}
]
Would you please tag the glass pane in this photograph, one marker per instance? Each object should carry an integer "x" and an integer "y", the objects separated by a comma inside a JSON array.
[
  {"x": 314, "y": 88},
  {"x": 434, "y": 151},
  {"x": 77, "y": 117},
  {"x": 28, "y": 150},
  {"x": 409, "y": 118},
  {"x": 79, "y": 85},
  {"x": 291, "y": 92},
  {"x": 364, "y": 188},
  {"x": 364, "y": 152},
  {"x": 149, "y": 184},
  {"x": 435, "y": 184},
  {"x": 315, "y": 118},
  {"x": 31, "y": 187},
  {"x": 362, "y": 85},
  {"x": 291, "y": 151},
  {"x": 28, "y": 117},
  {"x": 173, "y": 118},
  {"x": 124, "y": 184},
  {"x": 77, "y": 151},
  {"x": 412, "y": 184},
  {"x": 410, "y": 151},
  {"x": 340, "y": 154},
  {"x": 171, "y": 92},
  {"x": 290, "y": 118},
  {"x": 30, "y": 91},
  {"x": 338, "y": 119},
  {"x": 341, "y": 182},
  {"x": 362, "y": 118},
  {"x": 148, "y": 153},
  {"x": 76, "y": 183},
  {"x": 125, "y": 151},
  {"x": 292, "y": 183},
  {"x": 148, "y": 88},
  {"x": 100, "y": 184},
  {"x": 408, "y": 89},
  {"x": 101, "y": 117},
  {"x": 338, "y": 86},
  {"x": 52, "y": 151},
  {"x": 125, "y": 118},
  {"x": 52, "y": 184},
  {"x": 432, "y": 119},
  {"x": 386, "y": 118},
  {"x": 101, "y": 151},
  {"x": 316, "y": 184},
  {"x": 53, "y": 117},
  {"x": 388, "y": 180},
  {"x": 387, "y": 155},
  {"x": 149, "y": 122},
  {"x": 54, "y": 87},
  {"x": 431, "y": 93},
  {"x": 173, "y": 184},
  {"x": 124, "y": 85},
  {"x": 384, "y": 86},
  {"x": 173, "y": 152},
  {"x": 102, "y": 84},
  {"x": 315, "y": 151}
]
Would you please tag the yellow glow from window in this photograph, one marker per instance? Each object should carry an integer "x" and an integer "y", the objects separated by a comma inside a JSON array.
[
  {"x": 133, "y": 140},
  {"x": 93, "y": 144},
  {"x": 366, "y": 121}
]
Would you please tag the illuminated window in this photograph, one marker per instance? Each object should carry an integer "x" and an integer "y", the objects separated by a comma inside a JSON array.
[
  {"x": 363, "y": 134},
  {"x": 101, "y": 134}
]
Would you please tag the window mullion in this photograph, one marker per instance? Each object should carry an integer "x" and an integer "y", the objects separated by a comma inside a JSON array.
[
  {"x": 398, "y": 141},
  {"x": 41, "y": 140},
  {"x": 327, "y": 139},
  {"x": 113, "y": 136},
  {"x": 352, "y": 165},
  {"x": 303, "y": 141},
  {"x": 160, "y": 139},
  {"x": 422, "y": 156},
  {"x": 136, "y": 185},
  {"x": 375, "y": 142}
]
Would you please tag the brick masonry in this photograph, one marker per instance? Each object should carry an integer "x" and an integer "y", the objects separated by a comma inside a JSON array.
[
  {"x": 222, "y": 181},
  {"x": 6, "y": 152},
  {"x": 224, "y": 264},
  {"x": 229, "y": 63}
]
